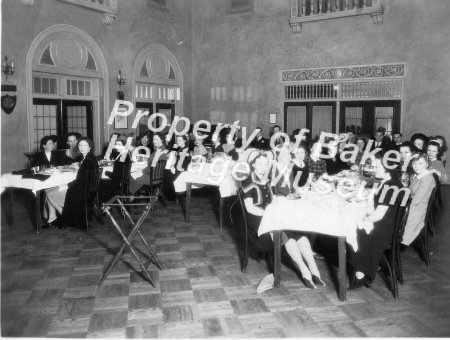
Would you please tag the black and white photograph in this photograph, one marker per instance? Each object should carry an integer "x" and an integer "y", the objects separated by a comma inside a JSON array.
[{"x": 225, "y": 169}]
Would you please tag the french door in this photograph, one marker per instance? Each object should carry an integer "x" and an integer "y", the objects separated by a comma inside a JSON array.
[
  {"x": 317, "y": 117},
  {"x": 366, "y": 116},
  {"x": 58, "y": 117},
  {"x": 166, "y": 109}
]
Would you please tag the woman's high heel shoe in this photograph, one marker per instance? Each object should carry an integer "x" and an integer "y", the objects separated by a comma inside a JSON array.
[
  {"x": 309, "y": 284},
  {"x": 318, "y": 281}
]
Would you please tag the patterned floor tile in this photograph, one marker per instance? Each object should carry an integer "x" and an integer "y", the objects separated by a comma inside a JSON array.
[{"x": 50, "y": 286}]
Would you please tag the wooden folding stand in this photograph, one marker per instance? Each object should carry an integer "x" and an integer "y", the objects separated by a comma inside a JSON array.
[{"x": 118, "y": 201}]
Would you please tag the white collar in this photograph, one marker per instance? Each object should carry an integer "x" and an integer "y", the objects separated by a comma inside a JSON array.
[{"x": 257, "y": 180}]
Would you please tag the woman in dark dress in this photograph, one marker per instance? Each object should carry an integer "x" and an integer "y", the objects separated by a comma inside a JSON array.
[
  {"x": 179, "y": 160},
  {"x": 70, "y": 202},
  {"x": 47, "y": 156},
  {"x": 375, "y": 231},
  {"x": 300, "y": 170},
  {"x": 257, "y": 195}
]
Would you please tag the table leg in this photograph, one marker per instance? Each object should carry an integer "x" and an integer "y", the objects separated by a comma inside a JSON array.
[
  {"x": 277, "y": 258},
  {"x": 188, "y": 202},
  {"x": 221, "y": 212},
  {"x": 342, "y": 268},
  {"x": 10, "y": 208},
  {"x": 37, "y": 211}
]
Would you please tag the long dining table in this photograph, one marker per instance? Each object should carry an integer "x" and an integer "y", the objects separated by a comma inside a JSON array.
[
  {"x": 327, "y": 214},
  {"x": 53, "y": 177}
]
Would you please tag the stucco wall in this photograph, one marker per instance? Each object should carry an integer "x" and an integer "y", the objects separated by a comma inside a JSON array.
[
  {"x": 240, "y": 55},
  {"x": 243, "y": 53},
  {"x": 137, "y": 25}
]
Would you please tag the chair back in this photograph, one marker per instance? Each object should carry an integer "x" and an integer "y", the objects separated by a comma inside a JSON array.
[
  {"x": 157, "y": 172},
  {"x": 91, "y": 199},
  {"x": 126, "y": 176},
  {"x": 240, "y": 195},
  {"x": 400, "y": 222},
  {"x": 437, "y": 202}
]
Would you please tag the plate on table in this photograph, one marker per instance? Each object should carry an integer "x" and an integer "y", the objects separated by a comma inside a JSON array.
[{"x": 294, "y": 196}]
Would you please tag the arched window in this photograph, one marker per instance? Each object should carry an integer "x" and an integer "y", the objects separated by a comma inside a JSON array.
[
  {"x": 157, "y": 83},
  {"x": 66, "y": 90}
]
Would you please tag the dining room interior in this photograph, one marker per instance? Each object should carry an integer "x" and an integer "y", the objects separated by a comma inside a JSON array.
[{"x": 226, "y": 168}]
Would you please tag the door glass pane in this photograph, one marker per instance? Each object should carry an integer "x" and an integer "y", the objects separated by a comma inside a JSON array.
[
  {"x": 44, "y": 123},
  {"x": 353, "y": 119},
  {"x": 322, "y": 120},
  {"x": 296, "y": 118},
  {"x": 384, "y": 117},
  {"x": 76, "y": 117}
]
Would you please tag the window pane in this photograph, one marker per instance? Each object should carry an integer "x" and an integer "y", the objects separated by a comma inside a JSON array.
[
  {"x": 45, "y": 85},
  {"x": 37, "y": 85}
]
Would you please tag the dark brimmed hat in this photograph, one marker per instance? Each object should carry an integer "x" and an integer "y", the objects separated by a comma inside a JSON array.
[{"x": 419, "y": 136}]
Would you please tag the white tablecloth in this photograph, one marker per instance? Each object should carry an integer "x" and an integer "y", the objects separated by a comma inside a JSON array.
[
  {"x": 328, "y": 214},
  {"x": 227, "y": 187},
  {"x": 55, "y": 180}
]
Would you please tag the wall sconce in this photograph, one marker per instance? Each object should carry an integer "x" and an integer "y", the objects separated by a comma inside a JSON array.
[
  {"x": 7, "y": 67},
  {"x": 272, "y": 118},
  {"x": 121, "y": 81}
]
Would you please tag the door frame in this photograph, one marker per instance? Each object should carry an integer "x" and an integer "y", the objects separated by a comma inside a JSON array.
[
  {"x": 309, "y": 114},
  {"x": 368, "y": 122}
]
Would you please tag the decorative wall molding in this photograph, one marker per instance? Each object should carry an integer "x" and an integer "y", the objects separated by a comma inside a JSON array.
[
  {"x": 343, "y": 72},
  {"x": 108, "y": 8},
  {"x": 304, "y": 11}
]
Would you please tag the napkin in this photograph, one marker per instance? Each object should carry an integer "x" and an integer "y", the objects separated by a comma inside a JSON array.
[{"x": 39, "y": 177}]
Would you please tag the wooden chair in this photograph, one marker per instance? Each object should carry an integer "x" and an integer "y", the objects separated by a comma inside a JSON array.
[
  {"x": 248, "y": 237},
  {"x": 437, "y": 204},
  {"x": 92, "y": 204},
  {"x": 157, "y": 180},
  {"x": 422, "y": 238},
  {"x": 392, "y": 256}
]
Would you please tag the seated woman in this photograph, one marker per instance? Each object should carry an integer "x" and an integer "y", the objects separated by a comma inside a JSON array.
[
  {"x": 334, "y": 163},
  {"x": 159, "y": 147},
  {"x": 180, "y": 160},
  {"x": 73, "y": 154},
  {"x": 361, "y": 144},
  {"x": 441, "y": 140},
  {"x": 434, "y": 154},
  {"x": 316, "y": 165},
  {"x": 297, "y": 243},
  {"x": 199, "y": 149},
  {"x": 300, "y": 170},
  {"x": 422, "y": 184},
  {"x": 218, "y": 144},
  {"x": 70, "y": 202},
  {"x": 419, "y": 141},
  {"x": 47, "y": 156},
  {"x": 143, "y": 140},
  {"x": 375, "y": 231},
  {"x": 229, "y": 142}
]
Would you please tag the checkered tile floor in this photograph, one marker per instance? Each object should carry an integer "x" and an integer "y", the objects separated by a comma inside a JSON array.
[{"x": 50, "y": 286}]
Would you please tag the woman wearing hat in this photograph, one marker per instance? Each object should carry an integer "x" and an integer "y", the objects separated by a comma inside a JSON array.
[
  {"x": 47, "y": 156},
  {"x": 420, "y": 142}
]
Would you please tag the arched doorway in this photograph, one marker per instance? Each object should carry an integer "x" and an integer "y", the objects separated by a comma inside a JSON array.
[
  {"x": 157, "y": 83},
  {"x": 65, "y": 84}
]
